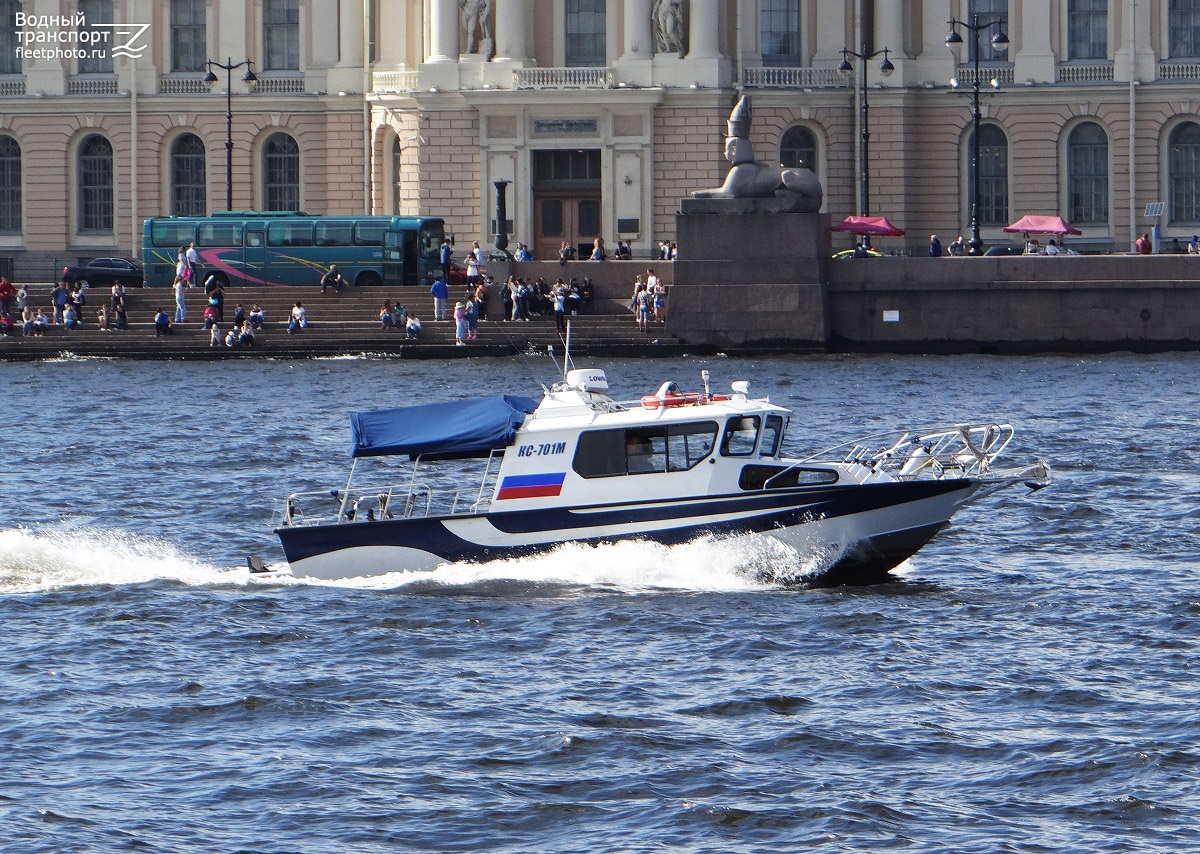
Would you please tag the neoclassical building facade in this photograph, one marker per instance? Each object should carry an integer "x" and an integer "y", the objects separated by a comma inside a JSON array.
[
  {"x": 603, "y": 113},
  {"x": 106, "y": 118},
  {"x": 594, "y": 116}
]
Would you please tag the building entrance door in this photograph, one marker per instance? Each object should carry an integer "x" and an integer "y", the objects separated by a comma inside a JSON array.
[
  {"x": 566, "y": 201},
  {"x": 575, "y": 219}
]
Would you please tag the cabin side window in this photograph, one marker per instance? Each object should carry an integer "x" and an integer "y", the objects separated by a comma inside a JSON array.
[
  {"x": 756, "y": 477},
  {"x": 643, "y": 450},
  {"x": 772, "y": 436},
  {"x": 741, "y": 436}
]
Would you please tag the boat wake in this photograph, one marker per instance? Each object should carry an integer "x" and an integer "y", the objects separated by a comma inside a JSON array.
[
  {"x": 44, "y": 561},
  {"x": 35, "y": 562},
  {"x": 702, "y": 565}
]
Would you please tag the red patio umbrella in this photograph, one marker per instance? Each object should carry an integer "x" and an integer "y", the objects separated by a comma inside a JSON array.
[
  {"x": 874, "y": 226},
  {"x": 1036, "y": 224}
]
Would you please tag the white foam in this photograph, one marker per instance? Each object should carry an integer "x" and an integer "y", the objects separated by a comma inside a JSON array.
[
  {"x": 704, "y": 565},
  {"x": 32, "y": 562},
  {"x": 71, "y": 556}
]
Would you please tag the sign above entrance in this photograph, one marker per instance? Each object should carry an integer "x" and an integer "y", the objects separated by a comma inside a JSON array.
[{"x": 559, "y": 127}]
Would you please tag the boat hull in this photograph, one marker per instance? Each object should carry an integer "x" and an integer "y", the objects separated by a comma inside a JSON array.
[{"x": 865, "y": 529}]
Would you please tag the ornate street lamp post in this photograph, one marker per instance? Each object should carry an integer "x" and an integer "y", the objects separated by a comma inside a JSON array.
[
  {"x": 846, "y": 69},
  {"x": 211, "y": 78},
  {"x": 1000, "y": 42}
]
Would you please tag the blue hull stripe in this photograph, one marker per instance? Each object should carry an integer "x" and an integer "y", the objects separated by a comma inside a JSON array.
[{"x": 763, "y": 512}]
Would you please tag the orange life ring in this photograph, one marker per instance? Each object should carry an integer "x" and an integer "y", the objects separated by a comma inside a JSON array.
[{"x": 689, "y": 398}]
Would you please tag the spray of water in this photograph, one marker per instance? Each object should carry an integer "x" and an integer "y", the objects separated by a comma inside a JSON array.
[{"x": 33, "y": 562}]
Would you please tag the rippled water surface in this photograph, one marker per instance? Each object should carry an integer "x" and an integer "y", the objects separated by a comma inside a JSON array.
[{"x": 1028, "y": 684}]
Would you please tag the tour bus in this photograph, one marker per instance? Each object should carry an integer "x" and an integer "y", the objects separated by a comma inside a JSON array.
[{"x": 294, "y": 248}]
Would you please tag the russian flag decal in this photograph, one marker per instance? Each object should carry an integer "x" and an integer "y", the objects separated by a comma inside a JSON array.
[{"x": 531, "y": 485}]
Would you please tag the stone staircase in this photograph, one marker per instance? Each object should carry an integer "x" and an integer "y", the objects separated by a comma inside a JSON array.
[{"x": 338, "y": 325}]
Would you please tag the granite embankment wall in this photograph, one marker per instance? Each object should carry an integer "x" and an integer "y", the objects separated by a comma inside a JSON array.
[{"x": 1011, "y": 304}]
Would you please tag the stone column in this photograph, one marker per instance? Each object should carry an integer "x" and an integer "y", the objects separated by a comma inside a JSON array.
[
  {"x": 443, "y": 28},
  {"x": 511, "y": 18},
  {"x": 637, "y": 30},
  {"x": 703, "y": 30}
]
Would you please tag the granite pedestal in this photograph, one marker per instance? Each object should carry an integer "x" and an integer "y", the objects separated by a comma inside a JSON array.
[{"x": 751, "y": 280}]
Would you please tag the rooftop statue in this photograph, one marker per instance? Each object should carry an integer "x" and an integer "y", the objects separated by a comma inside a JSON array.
[{"x": 753, "y": 187}]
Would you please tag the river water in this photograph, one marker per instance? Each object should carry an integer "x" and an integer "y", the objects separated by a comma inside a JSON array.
[{"x": 1028, "y": 684}]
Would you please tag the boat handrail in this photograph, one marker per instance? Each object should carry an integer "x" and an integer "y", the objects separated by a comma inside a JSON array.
[
  {"x": 963, "y": 450},
  {"x": 368, "y": 503}
]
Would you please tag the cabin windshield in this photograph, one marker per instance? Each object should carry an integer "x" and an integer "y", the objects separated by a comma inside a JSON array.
[
  {"x": 741, "y": 436},
  {"x": 644, "y": 450},
  {"x": 772, "y": 436}
]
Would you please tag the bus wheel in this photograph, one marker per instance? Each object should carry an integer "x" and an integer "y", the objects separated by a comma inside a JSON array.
[
  {"x": 368, "y": 280},
  {"x": 216, "y": 279}
]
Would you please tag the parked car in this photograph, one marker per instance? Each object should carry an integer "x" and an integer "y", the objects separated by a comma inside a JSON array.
[
  {"x": 1005, "y": 250},
  {"x": 458, "y": 274},
  {"x": 102, "y": 272}
]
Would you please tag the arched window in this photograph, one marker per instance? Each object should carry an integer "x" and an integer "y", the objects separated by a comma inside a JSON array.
[
  {"x": 10, "y": 186},
  {"x": 395, "y": 176},
  {"x": 798, "y": 147},
  {"x": 585, "y": 37},
  {"x": 10, "y": 58},
  {"x": 1087, "y": 174},
  {"x": 993, "y": 176},
  {"x": 779, "y": 32},
  {"x": 1184, "y": 164},
  {"x": 95, "y": 184},
  {"x": 98, "y": 58},
  {"x": 281, "y": 173},
  {"x": 189, "y": 189}
]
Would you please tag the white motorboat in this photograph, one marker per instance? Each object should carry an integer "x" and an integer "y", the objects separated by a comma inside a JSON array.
[{"x": 670, "y": 467}]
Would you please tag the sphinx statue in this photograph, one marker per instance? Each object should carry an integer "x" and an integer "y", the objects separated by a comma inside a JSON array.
[{"x": 755, "y": 187}]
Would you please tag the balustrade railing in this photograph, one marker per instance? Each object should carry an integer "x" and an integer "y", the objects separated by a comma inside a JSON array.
[
  {"x": 563, "y": 78},
  {"x": 394, "y": 81},
  {"x": 174, "y": 84},
  {"x": 779, "y": 77},
  {"x": 1091, "y": 72},
  {"x": 278, "y": 86},
  {"x": 91, "y": 85},
  {"x": 987, "y": 73},
  {"x": 1179, "y": 70}
]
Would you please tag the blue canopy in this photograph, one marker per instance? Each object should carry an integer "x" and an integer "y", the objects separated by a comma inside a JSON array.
[{"x": 458, "y": 428}]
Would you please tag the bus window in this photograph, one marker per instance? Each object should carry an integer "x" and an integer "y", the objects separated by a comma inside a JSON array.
[
  {"x": 741, "y": 435},
  {"x": 254, "y": 238},
  {"x": 289, "y": 234},
  {"x": 369, "y": 234},
  {"x": 219, "y": 234},
  {"x": 431, "y": 240},
  {"x": 175, "y": 234},
  {"x": 333, "y": 234},
  {"x": 772, "y": 433}
]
